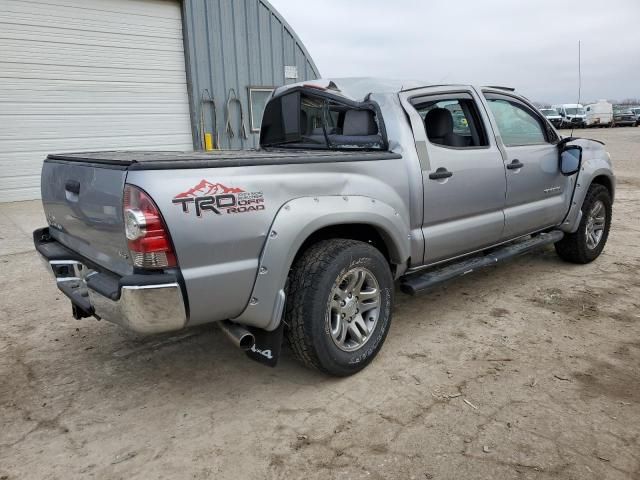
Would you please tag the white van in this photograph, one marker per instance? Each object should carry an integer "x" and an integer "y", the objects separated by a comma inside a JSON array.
[
  {"x": 599, "y": 114},
  {"x": 636, "y": 112},
  {"x": 572, "y": 114}
]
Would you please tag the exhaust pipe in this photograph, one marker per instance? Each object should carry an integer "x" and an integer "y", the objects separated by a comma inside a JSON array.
[{"x": 239, "y": 335}]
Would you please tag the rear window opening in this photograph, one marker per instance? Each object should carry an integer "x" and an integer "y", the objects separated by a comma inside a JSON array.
[{"x": 303, "y": 120}]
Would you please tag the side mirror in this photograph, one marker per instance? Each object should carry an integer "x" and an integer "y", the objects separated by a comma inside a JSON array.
[
  {"x": 570, "y": 159},
  {"x": 561, "y": 114}
]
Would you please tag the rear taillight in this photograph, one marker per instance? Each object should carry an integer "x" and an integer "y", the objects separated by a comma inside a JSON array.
[{"x": 147, "y": 235}]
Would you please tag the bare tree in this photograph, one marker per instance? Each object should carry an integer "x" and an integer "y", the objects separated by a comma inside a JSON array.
[{"x": 541, "y": 104}]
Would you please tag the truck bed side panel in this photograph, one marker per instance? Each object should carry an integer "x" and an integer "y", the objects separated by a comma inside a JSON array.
[{"x": 218, "y": 248}]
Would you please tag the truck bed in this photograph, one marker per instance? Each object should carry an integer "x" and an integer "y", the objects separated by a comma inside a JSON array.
[{"x": 165, "y": 160}]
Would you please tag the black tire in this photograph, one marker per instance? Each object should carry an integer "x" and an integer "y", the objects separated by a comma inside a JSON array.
[
  {"x": 308, "y": 323},
  {"x": 574, "y": 247}
]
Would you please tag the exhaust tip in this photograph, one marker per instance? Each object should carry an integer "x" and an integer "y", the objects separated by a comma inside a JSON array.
[
  {"x": 239, "y": 335},
  {"x": 246, "y": 341}
]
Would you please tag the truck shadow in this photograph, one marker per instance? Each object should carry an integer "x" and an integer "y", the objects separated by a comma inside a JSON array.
[
  {"x": 204, "y": 354},
  {"x": 104, "y": 357}
]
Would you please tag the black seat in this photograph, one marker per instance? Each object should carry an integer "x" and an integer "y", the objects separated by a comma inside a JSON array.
[
  {"x": 359, "y": 123},
  {"x": 439, "y": 125},
  {"x": 359, "y": 128}
]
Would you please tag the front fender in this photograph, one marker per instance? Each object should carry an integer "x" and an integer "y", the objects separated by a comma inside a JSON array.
[
  {"x": 294, "y": 223},
  {"x": 595, "y": 163}
]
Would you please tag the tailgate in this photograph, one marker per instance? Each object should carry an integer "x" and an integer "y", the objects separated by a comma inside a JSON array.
[{"x": 83, "y": 206}]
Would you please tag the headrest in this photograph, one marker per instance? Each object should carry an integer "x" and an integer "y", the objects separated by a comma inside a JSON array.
[
  {"x": 438, "y": 122},
  {"x": 359, "y": 122}
]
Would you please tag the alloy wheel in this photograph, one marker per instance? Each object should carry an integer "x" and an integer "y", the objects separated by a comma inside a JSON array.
[
  {"x": 596, "y": 221},
  {"x": 354, "y": 308}
]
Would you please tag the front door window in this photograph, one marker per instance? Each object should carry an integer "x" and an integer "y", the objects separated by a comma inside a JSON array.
[{"x": 516, "y": 124}]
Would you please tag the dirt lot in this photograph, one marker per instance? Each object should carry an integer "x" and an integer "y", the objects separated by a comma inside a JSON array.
[{"x": 528, "y": 370}]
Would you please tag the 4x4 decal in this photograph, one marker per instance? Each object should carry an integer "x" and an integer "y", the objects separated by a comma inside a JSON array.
[{"x": 219, "y": 199}]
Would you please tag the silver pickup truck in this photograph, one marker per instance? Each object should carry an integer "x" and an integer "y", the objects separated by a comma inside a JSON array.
[{"x": 359, "y": 184}]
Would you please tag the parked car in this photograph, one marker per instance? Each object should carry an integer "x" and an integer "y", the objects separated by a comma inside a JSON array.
[
  {"x": 636, "y": 112},
  {"x": 573, "y": 115},
  {"x": 553, "y": 116},
  {"x": 623, "y": 117},
  {"x": 357, "y": 184},
  {"x": 599, "y": 114}
]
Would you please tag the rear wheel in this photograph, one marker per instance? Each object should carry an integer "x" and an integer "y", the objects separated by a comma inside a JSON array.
[
  {"x": 339, "y": 303},
  {"x": 587, "y": 243}
]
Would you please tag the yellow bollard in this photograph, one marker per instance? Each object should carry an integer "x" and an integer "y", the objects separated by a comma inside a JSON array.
[{"x": 208, "y": 142}]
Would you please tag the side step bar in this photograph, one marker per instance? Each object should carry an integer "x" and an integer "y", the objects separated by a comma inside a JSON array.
[{"x": 418, "y": 283}]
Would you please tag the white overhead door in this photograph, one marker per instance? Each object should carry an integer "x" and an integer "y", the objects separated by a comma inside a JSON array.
[{"x": 78, "y": 75}]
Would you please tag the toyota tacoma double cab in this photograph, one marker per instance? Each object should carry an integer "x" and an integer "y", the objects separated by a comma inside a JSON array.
[{"x": 359, "y": 186}]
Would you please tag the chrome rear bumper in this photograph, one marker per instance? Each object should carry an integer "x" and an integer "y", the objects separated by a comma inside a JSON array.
[
  {"x": 142, "y": 308},
  {"x": 154, "y": 305}
]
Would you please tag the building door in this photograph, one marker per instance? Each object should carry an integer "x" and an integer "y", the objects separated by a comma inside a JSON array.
[{"x": 78, "y": 75}]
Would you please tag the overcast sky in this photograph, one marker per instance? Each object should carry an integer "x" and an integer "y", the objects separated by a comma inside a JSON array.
[{"x": 530, "y": 45}]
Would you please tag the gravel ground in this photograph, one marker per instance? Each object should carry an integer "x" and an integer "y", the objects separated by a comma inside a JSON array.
[{"x": 527, "y": 370}]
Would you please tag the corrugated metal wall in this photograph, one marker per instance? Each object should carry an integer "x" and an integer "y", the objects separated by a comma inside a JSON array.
[{"x": 234, "y": 44}]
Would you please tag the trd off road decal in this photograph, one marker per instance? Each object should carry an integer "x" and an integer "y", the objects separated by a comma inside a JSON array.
[{"x": 219, "y": 199}]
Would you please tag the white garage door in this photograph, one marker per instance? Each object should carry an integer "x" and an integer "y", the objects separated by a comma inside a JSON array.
[{"x": 79, "y": 75}]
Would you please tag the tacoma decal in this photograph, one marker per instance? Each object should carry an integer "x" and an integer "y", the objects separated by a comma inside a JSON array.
[{"x": 219, "y": 199}]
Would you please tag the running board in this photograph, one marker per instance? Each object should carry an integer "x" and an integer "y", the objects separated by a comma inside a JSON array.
[{"x": 419, "y": 283}]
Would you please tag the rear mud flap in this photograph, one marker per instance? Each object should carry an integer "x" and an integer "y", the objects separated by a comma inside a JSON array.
[{"x": 267, "y": 347}]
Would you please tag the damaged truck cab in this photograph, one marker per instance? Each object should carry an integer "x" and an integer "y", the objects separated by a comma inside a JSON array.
[{"x": 358, "y": 184}]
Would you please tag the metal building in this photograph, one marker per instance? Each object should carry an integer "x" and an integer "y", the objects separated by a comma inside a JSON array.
[{"x": 78, "y": 75}]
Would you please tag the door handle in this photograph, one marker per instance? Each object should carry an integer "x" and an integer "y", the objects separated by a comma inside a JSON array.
[
  {"x": 72, "y": 186},
  {"x": 440, "y": 173},
  {"x": 515, "y": 164}
]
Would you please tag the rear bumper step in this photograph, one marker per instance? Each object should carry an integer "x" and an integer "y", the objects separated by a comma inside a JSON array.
[
  {"x": 143, "y": 303},
  {"x": 421, "y": 282}
]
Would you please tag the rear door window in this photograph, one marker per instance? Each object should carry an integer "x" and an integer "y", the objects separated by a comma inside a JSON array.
[{"x": 452, "y": 121}]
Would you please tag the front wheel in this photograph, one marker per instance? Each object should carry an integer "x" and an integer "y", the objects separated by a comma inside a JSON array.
[
  {"x": 587, "y": 243},
  {"x": 340, "y": 295}
]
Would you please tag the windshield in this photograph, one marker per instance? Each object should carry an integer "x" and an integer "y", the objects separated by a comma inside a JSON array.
[
  {"x": 574, "y": 111},
  {"x": 548, "y": 112}
]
